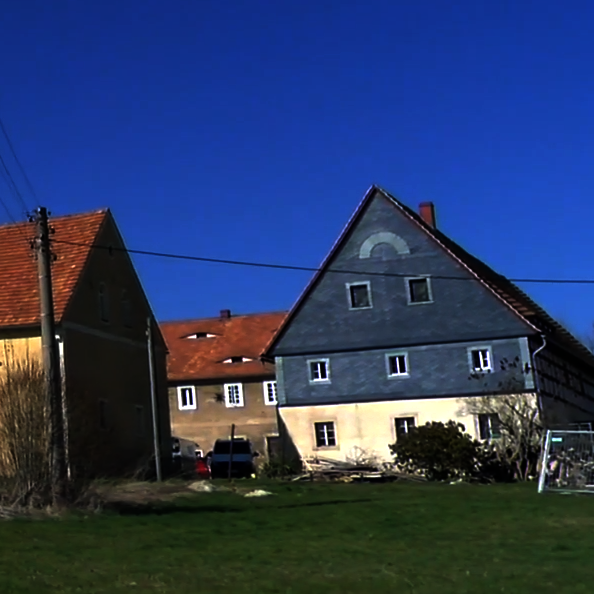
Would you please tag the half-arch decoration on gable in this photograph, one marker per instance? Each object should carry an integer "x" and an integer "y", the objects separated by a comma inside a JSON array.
[{"x": 383, "y": 237}]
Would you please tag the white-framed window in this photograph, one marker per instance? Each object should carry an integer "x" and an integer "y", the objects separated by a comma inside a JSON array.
[
  {"x": 418, "y": 290},
  {"x": 139, "y": 420},
  {"x": 359, "y": 295},
  {"x": 103, "y": 296},
  {"x": 403, "y": 425},
  {"x": 489, "y": 426},
  {"x": 319, "y": 370},
  {"x": 397, "y": 364},
  {"x": 270, "y": 393},
  {"x": 233, "y": 395},
  {"x": 186, "y": 397},
  {"x": 480, "y": 359},
  {"x": 126, "y": 305},
  {"x": 325, "y": 434}
]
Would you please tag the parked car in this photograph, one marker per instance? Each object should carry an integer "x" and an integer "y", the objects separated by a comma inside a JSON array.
[
  {"x": 183, "y": 456},
  {"x": 202, "y": 468},
  {"x": 239, "y": 454}
]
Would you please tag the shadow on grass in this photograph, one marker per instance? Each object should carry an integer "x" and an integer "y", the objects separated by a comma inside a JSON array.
[{"x": 160, "y": 509}]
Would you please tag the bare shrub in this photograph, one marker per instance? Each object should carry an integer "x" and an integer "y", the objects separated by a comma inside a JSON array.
[{"x": 24, "y": 432}]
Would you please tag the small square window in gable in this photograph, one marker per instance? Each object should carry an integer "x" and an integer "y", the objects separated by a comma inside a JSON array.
[
  {"x": 359, "y": 295},
  {"x": 419, "y": 290}
]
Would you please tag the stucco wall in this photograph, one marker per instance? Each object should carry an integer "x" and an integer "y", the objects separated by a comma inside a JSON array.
[
  {"x": 367, "y": 426},
  {"x": 212, "y": 420}
]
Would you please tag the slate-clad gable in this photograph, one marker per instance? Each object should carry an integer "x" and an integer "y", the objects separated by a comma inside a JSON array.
[{"x": 462, "y": 310}]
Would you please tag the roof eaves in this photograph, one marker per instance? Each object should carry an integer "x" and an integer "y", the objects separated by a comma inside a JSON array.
[
  {"x": 429, "y": 231},
  {"x": 265, "y": 355}
]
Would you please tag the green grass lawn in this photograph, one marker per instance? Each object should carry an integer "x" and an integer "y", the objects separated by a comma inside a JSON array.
[{"x": 315, "y": 538}]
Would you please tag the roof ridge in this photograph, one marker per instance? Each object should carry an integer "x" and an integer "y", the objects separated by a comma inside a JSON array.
[
  {"x": 233, "y": 316},
  {"x": 58, "y": 218}
]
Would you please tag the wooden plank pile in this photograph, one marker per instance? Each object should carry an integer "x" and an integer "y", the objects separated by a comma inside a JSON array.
[{"x": 326, "y": 469}]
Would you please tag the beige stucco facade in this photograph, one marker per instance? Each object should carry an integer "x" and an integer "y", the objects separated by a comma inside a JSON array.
[
  {"x": 212, "y": 419},
  {"x": 368, "y": 428},
  {"x": 18, "y": 348}
]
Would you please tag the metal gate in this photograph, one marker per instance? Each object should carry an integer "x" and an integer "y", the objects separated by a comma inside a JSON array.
[{"x": 567, "y": 463}]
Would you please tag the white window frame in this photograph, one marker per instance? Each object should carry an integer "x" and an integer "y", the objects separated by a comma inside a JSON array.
[
  {"x": 349, "y": 296},
  {"x": 490, "y": 426},
  {"x": 474, "y": 349},
  {"x": 313, "y": 380},
  {"x": 425, "y": 277},
  {"x": 192, "y": 405},
  {"x": 240, "y": 400},
  {"x": 325, "y": 447},
  {"x": 266, "y": 387},
  {"x": 406, "y": 364},
  {"x": 395, "y": 420}
]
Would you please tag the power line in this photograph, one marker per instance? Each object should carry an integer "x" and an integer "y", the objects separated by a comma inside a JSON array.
[
  {"x": 9, "y": 180},
  {"x": 7, "y": 210},
  {"x": 17, "y": 161},
  {"x": 309, "y": 268}
]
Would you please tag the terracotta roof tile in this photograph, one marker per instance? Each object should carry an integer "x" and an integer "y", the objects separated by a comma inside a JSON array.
[
  {"x": 19, "y": 298},
  {"x": 237, "y": 336}
]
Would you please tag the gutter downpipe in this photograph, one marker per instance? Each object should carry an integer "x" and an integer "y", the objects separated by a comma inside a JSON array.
[{"x": 546, "y": 436}]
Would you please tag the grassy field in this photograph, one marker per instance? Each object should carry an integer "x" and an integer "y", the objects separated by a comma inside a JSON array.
[{"x": 310, "y": 538}]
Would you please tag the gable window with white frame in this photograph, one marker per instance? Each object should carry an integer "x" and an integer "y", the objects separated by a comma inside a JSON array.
[
  {"x": 270, "y": 398},
  {"x": 233, "y": 395},
  {"x": 319, "y": 370},
  {"x": 419, "y": 290},
  {"x": 325, "y": 434},
  {"x": 186, "y": 397},
  {"x": 359, "y": 295},
  {"x": 397, "y": 364},
  {"x": 480, "y": 359}
]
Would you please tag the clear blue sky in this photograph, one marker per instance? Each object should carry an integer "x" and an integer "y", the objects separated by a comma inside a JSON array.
[{"x": 250, "y": 129}]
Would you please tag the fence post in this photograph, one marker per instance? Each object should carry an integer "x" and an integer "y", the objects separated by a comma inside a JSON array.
[{"x": 543, "y": 462}]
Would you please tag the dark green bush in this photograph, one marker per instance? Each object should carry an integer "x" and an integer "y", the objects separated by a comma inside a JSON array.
[{"x": 444, "y": 452}]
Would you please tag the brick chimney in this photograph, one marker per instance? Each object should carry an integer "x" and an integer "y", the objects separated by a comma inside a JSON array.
[
  {"x": 225, "y": 313},
  {"x": 427, "y": 212}
]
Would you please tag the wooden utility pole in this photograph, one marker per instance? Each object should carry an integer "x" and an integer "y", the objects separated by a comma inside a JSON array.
[
  {"x": 151, "y": 361},
  {"x": 51, "y": 358}
]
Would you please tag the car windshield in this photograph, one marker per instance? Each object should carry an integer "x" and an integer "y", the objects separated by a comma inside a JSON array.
[{"x": 239, "y": 447}]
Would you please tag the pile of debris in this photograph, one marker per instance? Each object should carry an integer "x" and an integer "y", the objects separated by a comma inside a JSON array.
[{"x": 326, "y": 469}]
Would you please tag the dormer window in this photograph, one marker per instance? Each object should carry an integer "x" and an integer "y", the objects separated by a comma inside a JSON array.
[
  {"x": 198, "y": 335},
  {"x": 237, "y": 360}
]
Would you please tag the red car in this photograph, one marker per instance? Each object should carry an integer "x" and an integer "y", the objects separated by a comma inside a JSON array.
[{"x": 202, "y": 468}]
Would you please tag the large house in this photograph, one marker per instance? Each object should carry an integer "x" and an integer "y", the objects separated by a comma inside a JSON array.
[
  {"x": 217, "y": 379},
  {"x": 101, "y": 316},
  {"x": 400, "y": 326}
]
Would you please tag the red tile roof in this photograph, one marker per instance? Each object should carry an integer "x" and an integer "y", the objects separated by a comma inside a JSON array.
[
  {"x": 236, "y": 336},
  {"x": 19, "y": 297}
]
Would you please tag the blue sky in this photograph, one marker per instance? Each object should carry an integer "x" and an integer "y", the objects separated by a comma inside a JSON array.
[{"x": 250, "y": 129}]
